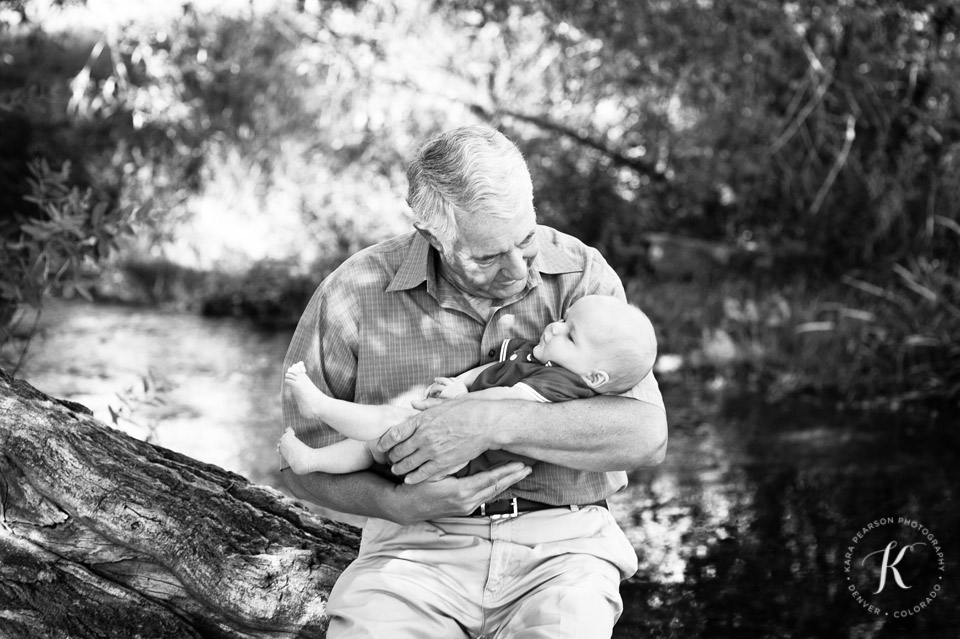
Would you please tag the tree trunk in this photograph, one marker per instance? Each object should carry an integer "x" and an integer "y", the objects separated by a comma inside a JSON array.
[{"x": 102, "y": 535}]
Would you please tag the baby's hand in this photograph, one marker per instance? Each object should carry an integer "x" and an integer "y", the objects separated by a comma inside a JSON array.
[{"x": 446, "y": 388}]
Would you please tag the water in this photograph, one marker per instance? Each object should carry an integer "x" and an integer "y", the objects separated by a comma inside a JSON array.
[
  {"x": 213, "y": 384},
  {"x": 742, "y": 532}
]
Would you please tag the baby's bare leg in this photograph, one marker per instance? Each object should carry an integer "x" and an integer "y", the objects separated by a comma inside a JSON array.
[
  {"x": 347, "y": 456},
  {"x": 356, "y": 421}
]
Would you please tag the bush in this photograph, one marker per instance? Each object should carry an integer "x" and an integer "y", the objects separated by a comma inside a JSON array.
[
  {"x": 913, "y": 348},
  {"x": 271, "y": 293},
  {"x": 58, "y": 244}
]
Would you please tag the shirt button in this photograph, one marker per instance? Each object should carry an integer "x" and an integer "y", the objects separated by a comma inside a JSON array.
[{"x": 492, "y": 352}]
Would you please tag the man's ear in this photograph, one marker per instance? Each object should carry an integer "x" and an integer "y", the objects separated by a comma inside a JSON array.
[
  {"x": 429, "y": 237},
  {"x": 595, "y": 379}
]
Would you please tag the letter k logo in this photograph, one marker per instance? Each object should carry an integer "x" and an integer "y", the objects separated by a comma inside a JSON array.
[{"x": 886, "y": 564}]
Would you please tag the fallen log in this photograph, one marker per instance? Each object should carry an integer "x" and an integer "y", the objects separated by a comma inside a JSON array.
[{"x": 102, "y": 535}]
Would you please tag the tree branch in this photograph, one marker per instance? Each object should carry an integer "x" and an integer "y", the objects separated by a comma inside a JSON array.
[
  {"x": 643, "y": 168},
  {"x": 153, "y": 543}
]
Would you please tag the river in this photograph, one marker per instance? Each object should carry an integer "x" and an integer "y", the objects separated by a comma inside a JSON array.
[{"x": 758, "y": 524}]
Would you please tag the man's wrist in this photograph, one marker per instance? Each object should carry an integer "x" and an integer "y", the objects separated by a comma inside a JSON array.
[{"x": 501, "y": 420}]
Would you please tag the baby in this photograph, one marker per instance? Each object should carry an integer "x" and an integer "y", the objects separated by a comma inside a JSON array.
[{"x": 603, "y": 345}]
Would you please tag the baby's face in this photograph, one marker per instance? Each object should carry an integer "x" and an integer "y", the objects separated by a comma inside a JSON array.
[{"x": 574, "y": 342}]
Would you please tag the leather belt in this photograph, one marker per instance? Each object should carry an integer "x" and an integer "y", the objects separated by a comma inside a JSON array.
[{"x": 507, "y": 508}]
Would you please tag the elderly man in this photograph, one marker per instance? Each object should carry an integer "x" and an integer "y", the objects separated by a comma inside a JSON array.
[{"x": 522, "y": 549}]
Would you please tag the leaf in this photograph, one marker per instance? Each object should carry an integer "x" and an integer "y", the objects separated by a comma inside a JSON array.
[
  {"x": 814, "y": 327},
  {"x": 911, "y": 282},
  {"x": 84, "y": 291},
  {"x": 877, "y": 291},
  {"x": 948, "y": 223},
  {"x": 921, "y": 341},
  {"x": 37, "y": 232},
  {"x": 144, "y": 208},
  {"x": 857, "y": 314},
  {"x": 96, "y": 215}
]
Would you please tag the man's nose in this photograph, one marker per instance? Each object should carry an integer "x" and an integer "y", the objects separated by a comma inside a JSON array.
[{"x": 516, "y": 265}]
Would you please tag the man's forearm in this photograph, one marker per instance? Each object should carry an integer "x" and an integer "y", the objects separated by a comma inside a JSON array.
[
  {"x": 370, "y": 495},
  {"x": 596, "y": 434},
  {"x": 362, "y": 493}
]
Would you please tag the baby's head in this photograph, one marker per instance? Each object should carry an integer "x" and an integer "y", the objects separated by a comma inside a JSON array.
[{"x": 610, "y": 344}]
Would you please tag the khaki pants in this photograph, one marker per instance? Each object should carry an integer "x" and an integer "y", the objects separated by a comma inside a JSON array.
[{"x": 546, "y": 574}]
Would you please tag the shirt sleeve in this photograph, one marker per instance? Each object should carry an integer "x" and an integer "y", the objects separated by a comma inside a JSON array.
[
  {"x": 647, "y": 390},
  {"x": 603, "y": 280},
  {"x": 326, "y": 342},
  {"x": 555, "y": 384}
]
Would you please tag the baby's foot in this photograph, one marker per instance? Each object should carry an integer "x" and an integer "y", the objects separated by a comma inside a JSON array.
[
  {"x": 295, "y": 452},
  {"x": 310, "y": 399}
]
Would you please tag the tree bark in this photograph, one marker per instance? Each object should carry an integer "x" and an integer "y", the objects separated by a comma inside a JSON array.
[{"x": 102, "y": 535}]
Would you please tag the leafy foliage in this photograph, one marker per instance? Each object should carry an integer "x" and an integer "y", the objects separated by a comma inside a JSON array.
[
  {"x": 819, "y": 139},
  {"x": 58, "y": 247},
  {"x": 916, "y": 326}
]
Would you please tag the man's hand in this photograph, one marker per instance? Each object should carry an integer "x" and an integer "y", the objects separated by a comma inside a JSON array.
[
  {"x": 436, "y": 440},
  {"x": 452, "y": 497}
]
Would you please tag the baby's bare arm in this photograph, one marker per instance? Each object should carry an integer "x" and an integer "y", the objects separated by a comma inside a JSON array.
[
  {"x": 453, "y": 387},
  {"x": 517, "y": 391},
  {"x": 470, "y": 376}
]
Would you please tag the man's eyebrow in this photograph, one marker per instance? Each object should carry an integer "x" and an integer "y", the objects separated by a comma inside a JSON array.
[
  {"x": 529, "y": 236},
  {"x": 498, "y": 254}
]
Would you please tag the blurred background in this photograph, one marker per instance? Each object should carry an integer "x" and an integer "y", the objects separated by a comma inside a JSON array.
[{"x": 777, "y": 183}]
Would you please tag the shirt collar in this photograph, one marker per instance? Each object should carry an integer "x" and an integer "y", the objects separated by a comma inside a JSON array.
[
  {"x": 552, "y": 259},
  {"x": 419, "y": 264},
  {"x": 418, "y": 261}
]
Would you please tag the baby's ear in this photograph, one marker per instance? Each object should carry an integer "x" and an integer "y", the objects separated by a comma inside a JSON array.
[{"x": 595, "y": 379}]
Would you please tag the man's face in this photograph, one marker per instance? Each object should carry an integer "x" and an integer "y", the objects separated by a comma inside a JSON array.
[{"x": 492, "y": 256}]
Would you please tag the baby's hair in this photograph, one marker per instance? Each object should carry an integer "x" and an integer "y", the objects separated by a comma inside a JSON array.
[{"x": 632, "y": 344}]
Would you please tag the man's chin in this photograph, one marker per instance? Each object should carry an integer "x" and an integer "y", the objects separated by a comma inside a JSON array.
[
  {"x": 511, "y": 289},
  {"x": 497, "y": 291}
]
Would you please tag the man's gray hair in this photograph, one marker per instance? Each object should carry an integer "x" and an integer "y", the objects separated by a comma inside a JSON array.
[{"x": 472, "y": 170}]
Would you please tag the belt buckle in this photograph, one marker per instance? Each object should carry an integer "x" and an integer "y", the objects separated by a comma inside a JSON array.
[{"x": 513, "y": 502}]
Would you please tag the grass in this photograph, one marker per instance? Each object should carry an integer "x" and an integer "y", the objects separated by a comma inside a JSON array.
[{"x": 831, "y": 340}]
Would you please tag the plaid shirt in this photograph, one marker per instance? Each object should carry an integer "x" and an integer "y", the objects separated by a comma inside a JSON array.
[{"x": 383, "y": 325}]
